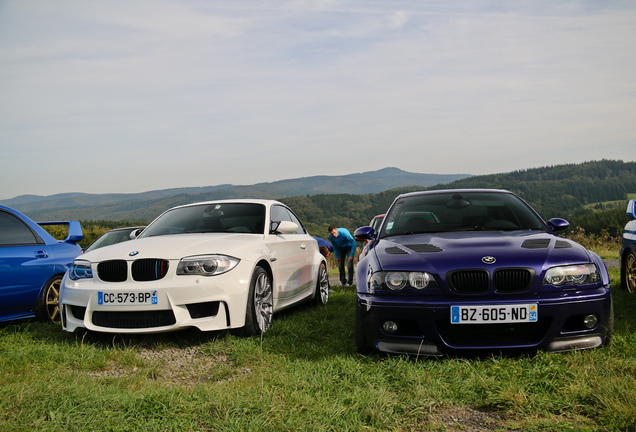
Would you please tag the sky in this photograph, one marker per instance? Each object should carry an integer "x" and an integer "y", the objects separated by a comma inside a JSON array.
[{"x": 126, "y": 96}]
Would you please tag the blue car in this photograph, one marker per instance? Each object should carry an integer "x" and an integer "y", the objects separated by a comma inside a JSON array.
[
  {"x": 32, "y": 263},
  {"x": 628, "y": 251},
  {"x": 477, "y": 269}
]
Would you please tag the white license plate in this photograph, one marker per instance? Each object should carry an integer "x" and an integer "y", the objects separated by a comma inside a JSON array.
[
  {"x": 127, "y": 298},
  {"x": 494, "y": 314}
]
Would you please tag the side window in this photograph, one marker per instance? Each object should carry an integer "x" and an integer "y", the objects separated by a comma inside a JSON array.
[
  {"x": 294, "y": 219},
  {"x": 14, "y": 232},
  {"x": 280, "y": 213}
]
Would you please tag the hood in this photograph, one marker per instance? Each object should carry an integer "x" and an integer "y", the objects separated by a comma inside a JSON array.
[
  {"x": 440, "y": 253},
  {"x": 177, "y": 246}
]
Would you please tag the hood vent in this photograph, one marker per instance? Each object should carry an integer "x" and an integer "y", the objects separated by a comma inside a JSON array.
[
  {"x": 423, "y": 248},
  {"x": 536, "y": 244},
  {"x": 394, "y": 250},
  {"x": 562, "y": 244}
]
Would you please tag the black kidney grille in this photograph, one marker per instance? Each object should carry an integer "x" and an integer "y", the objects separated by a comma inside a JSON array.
[
  {"x": 469, "y": 281},
  {"x": 134, "y": 320},
  {"x": 513, "y": 280},
  {"x": 112, "y": 271},
  {"x": 149, "y": 269}
]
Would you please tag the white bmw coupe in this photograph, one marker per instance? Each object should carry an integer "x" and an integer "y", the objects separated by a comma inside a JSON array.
[{"x": 213, "y": 265}]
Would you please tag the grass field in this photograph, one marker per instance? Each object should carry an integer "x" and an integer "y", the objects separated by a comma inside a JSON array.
[{"x": 304, "y": 374}]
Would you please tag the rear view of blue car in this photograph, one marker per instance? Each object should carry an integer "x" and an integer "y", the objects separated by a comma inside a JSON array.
[
  {"x": 468, "y": 270},
  {"x": 32, "y": 264}
]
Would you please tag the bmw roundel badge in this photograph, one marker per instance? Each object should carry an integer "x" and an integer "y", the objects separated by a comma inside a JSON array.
[
  {"x": 133, "y": 253},
  {"x": 488, "y": 260}
]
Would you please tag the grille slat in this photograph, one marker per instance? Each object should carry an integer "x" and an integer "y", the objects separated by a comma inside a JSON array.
[
  {"x": 469, "y": 281},
  {"x": 506, "y": 280},
  {"x": 144, "y": 270},
  {"x": 134, "y": 319},
  {"x": 513, "y": 280},
  {"x": 112, "y": 271}
]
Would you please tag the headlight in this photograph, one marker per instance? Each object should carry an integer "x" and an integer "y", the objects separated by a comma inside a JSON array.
[
  {"x": 80, "y": 269},
  {"x": 206, "y": 265},
  {"x": 397, "y": 280},
  {"x": 581, "y": 274}
]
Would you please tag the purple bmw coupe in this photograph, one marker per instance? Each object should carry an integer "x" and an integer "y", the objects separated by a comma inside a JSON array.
[{"x": 477, "y": 269}]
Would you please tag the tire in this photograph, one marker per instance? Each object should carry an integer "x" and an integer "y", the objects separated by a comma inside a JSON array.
[
  {"x": 362, "y": 346},
  {"x": 321, "y": 297},
  {"x": 628, "y": 272},
  {"x": 259, "y": 311},
  {"x": 47, "y": 308}
]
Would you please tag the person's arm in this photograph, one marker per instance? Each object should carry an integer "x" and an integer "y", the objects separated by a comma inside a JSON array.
[
  {"x": 335, "y": 247},
  {"x": 352, "y": 243}
]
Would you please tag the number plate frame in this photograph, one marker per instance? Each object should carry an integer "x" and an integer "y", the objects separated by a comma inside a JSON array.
[
  {"x": 127, "y": 298},
  {"x": 494, "y": 314}
]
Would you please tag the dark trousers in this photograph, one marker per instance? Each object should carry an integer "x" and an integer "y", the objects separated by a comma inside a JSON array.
[{"x": 344, "y": 258}]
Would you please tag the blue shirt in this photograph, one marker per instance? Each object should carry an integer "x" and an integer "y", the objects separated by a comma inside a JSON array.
[
  {"x": 344, "y": 240},
  {"x": 323, "y": 242}
]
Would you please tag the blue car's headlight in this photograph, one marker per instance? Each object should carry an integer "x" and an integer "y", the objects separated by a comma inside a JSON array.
[
  {"x": 80, "y": 269},
  {"x": 581, "y": 274},
  {"x": 206, "y": 265},
  {"x": 398, "y": 280}
]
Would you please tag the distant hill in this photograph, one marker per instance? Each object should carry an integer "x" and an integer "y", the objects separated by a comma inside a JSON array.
[
  {"x": 556, "y": 191},
  {"x": 148, "y": 205},
  {"x": 351, "y": 201}
]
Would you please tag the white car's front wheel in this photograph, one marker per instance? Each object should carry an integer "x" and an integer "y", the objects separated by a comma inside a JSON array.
[
  {"x": 259, "y": 311},
  {"x": 322, "y": 286}
]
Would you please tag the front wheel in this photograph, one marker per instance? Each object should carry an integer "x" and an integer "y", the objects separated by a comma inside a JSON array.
[
  {"x": 260, "y": 305},
  {"x": 322, "y": 286},
  {"x": 47, "y": 308},
  {"x": 629, "y": 272}
]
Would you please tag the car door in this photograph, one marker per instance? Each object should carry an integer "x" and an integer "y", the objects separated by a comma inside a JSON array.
[
  {"x": 291, "y": 251},
  {"x": 24, "y": 266}
]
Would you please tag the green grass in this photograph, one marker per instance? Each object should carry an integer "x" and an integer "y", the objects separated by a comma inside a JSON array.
[{"x": 304, "y": 374}]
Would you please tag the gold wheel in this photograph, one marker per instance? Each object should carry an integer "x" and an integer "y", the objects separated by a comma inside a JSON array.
[{"x": 630, "y": 272}]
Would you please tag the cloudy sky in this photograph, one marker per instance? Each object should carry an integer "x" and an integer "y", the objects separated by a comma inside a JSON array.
[{"x": 130, "y": 96}]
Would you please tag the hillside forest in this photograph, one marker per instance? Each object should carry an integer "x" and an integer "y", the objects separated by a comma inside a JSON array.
[{"x": 592, "y": 196}]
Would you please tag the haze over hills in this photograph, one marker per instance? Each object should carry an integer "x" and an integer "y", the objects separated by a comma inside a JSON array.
[
  {"x": 352, "y": 200},
  {"x": 147, "y": 205}
]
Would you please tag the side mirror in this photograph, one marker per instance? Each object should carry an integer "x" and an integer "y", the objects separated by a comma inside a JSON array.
[
  {"x": 364, "y": 233},
  {"x": 134, "y": 234},
  {"x": 558, "y": 224},
  {"x": 284, "y": 227},
  {"x": 631, "y": 209}
]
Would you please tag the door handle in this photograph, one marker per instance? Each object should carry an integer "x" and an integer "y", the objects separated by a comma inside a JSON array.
[
  {"x": 41, "y": 254},
  {"x": 303, "y": 246}
]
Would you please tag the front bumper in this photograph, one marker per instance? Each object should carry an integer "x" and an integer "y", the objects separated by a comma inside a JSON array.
[
  {"x": 207, "y": 303},
  {"x": 423, "y": 326}
]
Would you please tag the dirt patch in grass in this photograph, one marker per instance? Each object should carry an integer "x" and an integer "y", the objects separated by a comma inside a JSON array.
[
  {"x": 468, "y": 419},
  {"x": 181, "y": 366}
]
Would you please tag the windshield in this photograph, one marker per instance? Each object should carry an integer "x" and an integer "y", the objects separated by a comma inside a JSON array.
[
  {"x": 468, "y": 211},
  {"x": 210, "y": 218}
]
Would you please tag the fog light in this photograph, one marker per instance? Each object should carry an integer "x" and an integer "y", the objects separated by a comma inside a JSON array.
[
  {"x": 590, "y": 321},
  {"x": 390, "y": 327}
]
